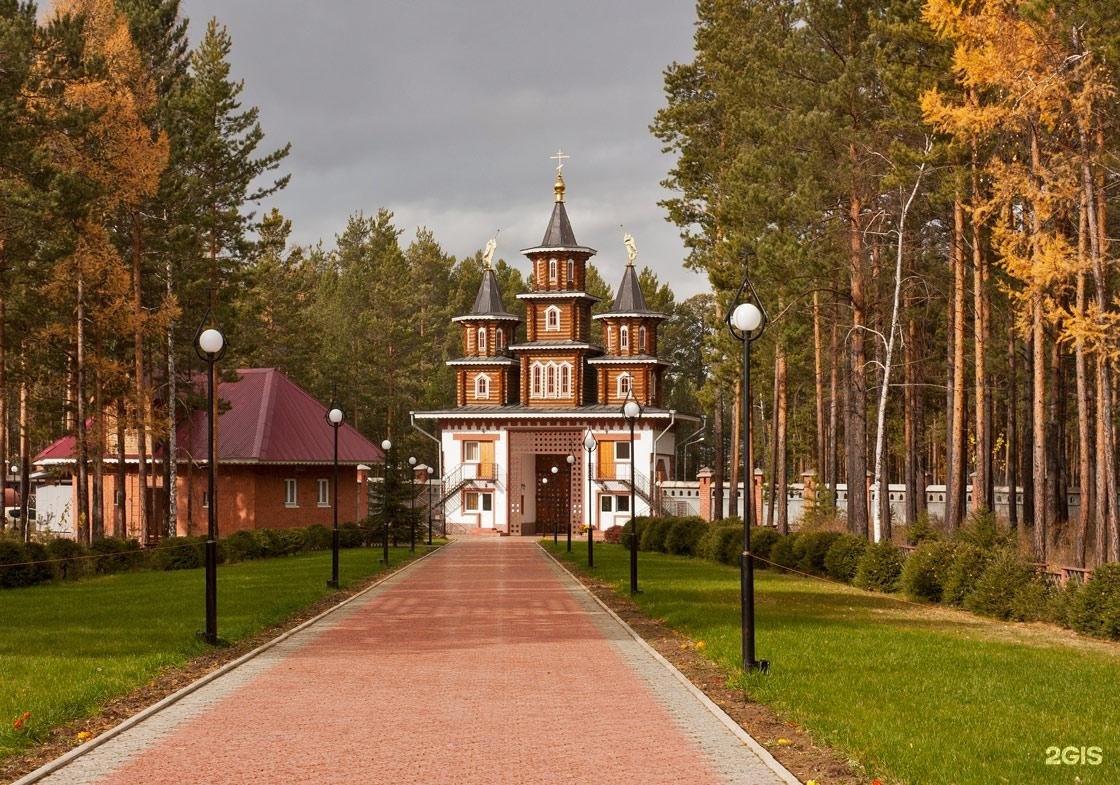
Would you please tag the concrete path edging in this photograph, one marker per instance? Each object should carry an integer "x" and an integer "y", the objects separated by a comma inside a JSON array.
[
  {"x": 86, "y": 747},
  {"x": 699, "y": 694}
]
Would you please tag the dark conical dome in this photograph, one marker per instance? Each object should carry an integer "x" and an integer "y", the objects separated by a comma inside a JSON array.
[
  {"x": 488, "y": 302},
  {"x": 559, "y": 233},
  {"x": 630, "y": 299}
]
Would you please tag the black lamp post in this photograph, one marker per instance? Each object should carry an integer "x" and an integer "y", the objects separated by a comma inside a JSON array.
[
  {"x": 334, "y": 419},
  {"x": 747, "y": 322},
  {"x": 387, "y": 446},
  {"x": 210, "y": 345},
  {"x": 632, "y": 410},
  {"x": 555, "y": 519},
  {"x": 429, "y": 505},
  {"x": 571, "y": 497},
  {"x": 590, "y": 445},
  {"x": 412, "y": 503}
]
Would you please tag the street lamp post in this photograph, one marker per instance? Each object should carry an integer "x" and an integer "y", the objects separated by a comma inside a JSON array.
[
  {"x": 571, "y": 497},
  {"x": 747, "y": 322},
  {"x": 632, "y": 410},
  {"x": 555, "y": 519},
  {"x": 210, "y": 345},
  {"x": 429, "y": 505},
  {"x": 412, "y": 503},
  {"x": 334, "y": 419},
  {"x": 387, "y": 446},
  {"x": 590, "y": 445}
]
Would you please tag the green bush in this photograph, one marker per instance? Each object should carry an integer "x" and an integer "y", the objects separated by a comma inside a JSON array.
[
  {"x": 762, "y": 540},
  {"x": 353, "y": 535},
  {"x": 969, "y": 563},
  {"x": 319, "y": 537},
  {"x": 925, "y": 570},
  {"x": 723, "y": 542},
  {"x": 782, "y": 552},
  {"x": 68, "y": 556},
  {"x": 843, "y": 557},
  {"x": 683, "y": 536},
  {"x": 652, "y": 533},
  {"x": 1095, "y": 610},
  {"x": 116, "y": 555},
  {"x": 921, "y": 530},
  {"x": 12, "y": 557},
  {"x": 983, "y": 530},
  {"x": 1003, "y": 576},
  {"x": 624, "y": 535},
  {"x": 880, "y": 567},
  {"x": 39, "y": 568},
  {"x": 1034, "y": 601},
  {"x": 179, "y": 553},
  {"x": 241, "y": 546},
  {"x": 812, "y": 548},
  {"x": 281, "y": 542}
]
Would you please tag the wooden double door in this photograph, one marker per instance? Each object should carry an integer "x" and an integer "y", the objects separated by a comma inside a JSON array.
[{"x": 554, "y": 494}]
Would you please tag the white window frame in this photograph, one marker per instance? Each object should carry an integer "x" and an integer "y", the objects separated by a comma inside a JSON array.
[
  {"x": 552, "y": 318},
  {"x": 324, "y": 495},
  {"x": 537, "y": 372},
  {"x": 623, "y": 338},
  {"x": 641, "y": 339},
  {"x": 481, "y": 340},
  {"x": 478, "y": 501},
  {"x": 606, "y": 503},
  {"x": 571, "y": 270},
  {"x": 624, "y": 385},
  {"x": 291, "y": 493},
  {"x": 552, "y": 270},
  {"x": 551, "y": 379},
  {"x": 500, "y": 338},
  {"x": 470, "y": 447},
  {"x": 621, "y": 503},
  {"x": 482, "y": 386},
  {"x": 565, "y": 380}
]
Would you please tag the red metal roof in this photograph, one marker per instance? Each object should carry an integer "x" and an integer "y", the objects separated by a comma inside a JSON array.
[{"x": 264, "y": 417}]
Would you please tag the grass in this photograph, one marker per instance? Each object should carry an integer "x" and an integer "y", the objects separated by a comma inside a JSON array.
[
  {"x": 917, "y": 695},
  {"x": 67, "y": 649}
]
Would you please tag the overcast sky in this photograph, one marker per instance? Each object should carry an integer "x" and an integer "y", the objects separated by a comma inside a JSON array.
[{"x": 447, "y": 112}]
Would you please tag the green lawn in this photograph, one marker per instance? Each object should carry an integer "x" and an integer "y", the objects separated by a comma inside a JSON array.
[
  {"x": 66, "y": 649},
  {"x": 918, "y": 695}
]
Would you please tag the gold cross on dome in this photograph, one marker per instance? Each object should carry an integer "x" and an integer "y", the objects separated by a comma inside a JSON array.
[{"x": 559, "y": 158}]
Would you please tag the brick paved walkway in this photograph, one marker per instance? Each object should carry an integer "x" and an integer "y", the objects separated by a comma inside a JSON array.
[{"x": 484, "y": 663}]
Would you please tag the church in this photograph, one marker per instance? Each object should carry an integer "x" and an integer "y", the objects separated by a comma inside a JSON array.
[{"x": 538, "y": 441}]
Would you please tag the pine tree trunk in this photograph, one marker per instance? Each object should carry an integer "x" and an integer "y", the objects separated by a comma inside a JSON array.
[
  {"x": 982, "y": 484},
  {"x": 718, "y": 473},
  {"x": 120, "y": 500},
  {"x": 818, "y": 367},
  {"x": 910, "y": 405},
  {"x": 1012, "y": 431},
  {"x": 855, "y": 424},
  {"x": 733, "y": 469},
  {"x": 832, "y": 462},
  {"x": 772, "y": 488},
  {"x": 81, "y": 513},
  {"x": 780, "y": 446},
  {"x": 97, "y": 503},
  {"x": 1042, "y": 486},
  {"x": 955, "y": 465},
  {"x": 140, "y": 389},
  {"x": 172, "y": 475},
  {"x": 1084, "y": 444},
  {"x": 3, "y": 386},
  {"x": 24, "y": 454}
]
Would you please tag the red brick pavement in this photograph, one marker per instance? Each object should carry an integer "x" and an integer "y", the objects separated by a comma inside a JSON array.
[{"x": 478, "y": 667}]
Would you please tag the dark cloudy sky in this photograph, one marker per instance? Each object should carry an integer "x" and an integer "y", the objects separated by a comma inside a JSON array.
[{"x": 447, "y": 112}]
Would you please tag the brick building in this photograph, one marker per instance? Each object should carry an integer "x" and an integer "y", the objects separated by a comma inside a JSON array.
[
  {"x": 275, "y": 464},
  {"x": 513, "y": 447}
]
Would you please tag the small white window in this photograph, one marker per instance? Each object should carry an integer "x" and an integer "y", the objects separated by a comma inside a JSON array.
[
  {"x": 536, "y": 380},
  {"x": 501, "y": 339},
  {"x": 623, "y": 385},
  {"x": 470, "y": 452},
  {"x": 473, "y": 501},
  {"x": 641, "y": 339},
  {"x": 205, "y": 500},
  {"x": 550, "y": 381},
  {"x": 481, "y": 339},
  {"x": 571, "y": 271},
  {"x": 552, "y": 318},
  {"x": 482, "y": 386},
  {"x": 552, "y": 270},
  {"x": 565, "y": 380},
  {"x": 622, "y": 451},
  {"x": 324, "y": 493},
  {"x": 290, "y": 497},
  {"x": 623, "y": 338}
]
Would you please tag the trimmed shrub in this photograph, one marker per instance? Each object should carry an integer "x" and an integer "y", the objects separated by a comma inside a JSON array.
[
  {"x": 651, "y": 533},
  {"x": 984, "y": 531},
  {"x": 68, "y": 555},
  {"x": 1095, "y": 609},
  {"x": 879, "y": 567},
  {"x": 723, "y": 542},
  {"x": 843, "y": 557},
  {"x": 993, "y": 592},
  {"x": 624, "y": 541},
  {"x": 684, "y": 534},
  {"x": 12, "y": 557},
  {"x": 969, "y": 563},
  {"x": 782, "y": 553},
  {"x": 281, "y": 542},
  {"x": 352, "y": 535},
  {"x": 116, "y": 555},
  {"x": 39, "y": 569},
  {"x": 179, "y": 553},
  {"x": 812, "y": 548},
  {"x": 925, "y": 570},
  {"x": 762, "y": 541},
  {"x": 613, "y": 535},
  {"x": 921, "y": 530},
  {"x": 319, "y": 537},
  {"x": 241, "y": 546}
]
